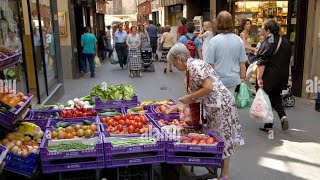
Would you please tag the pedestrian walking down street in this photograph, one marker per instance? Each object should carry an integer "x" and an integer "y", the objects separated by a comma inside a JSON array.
[
  {"x": 133, "y": 39},
  {"x": 168, "y": 41},
  {"x": 108, "y": 39},
  {"x": 126, "y": 27},
  {"x": 144, "y": 37},
  {"x": 182, "y": 29},
  {"x": 192, "y": 42},
  {"x": 89, "y": 44},
  {"x": 273, "y": 69},
  {"x": 204, "y": 86},
  {"x": 206, "y": 36},
  {"x": 102, "y": 46},
  {"x": 226, "y": 53},
  {"x": 121, "y": 47},
  {"x": 153, "y": 35},
  {"x": 159, "y": 51}
]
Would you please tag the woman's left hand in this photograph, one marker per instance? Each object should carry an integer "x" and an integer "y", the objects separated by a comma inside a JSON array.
[{"x": 187, "y": 99}]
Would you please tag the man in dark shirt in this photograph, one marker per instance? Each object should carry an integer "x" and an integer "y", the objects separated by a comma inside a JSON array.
[{"x": 153, "y": 34}]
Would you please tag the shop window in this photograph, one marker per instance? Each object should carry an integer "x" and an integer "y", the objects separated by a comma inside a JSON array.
[
  {"x": 10, "y": 38},
  {"x": 258, "y": 12},
  {"x": 44, "y": 47}
]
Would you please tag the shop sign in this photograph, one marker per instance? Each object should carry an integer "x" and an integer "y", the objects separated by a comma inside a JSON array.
[
  {"x": 144, "y": 9},
  {"x": 175, "y": 9},
  {"x": 155, "y": 5},
  {"x": 101, "y": 7},
  {"x": 173, "y": 2}
]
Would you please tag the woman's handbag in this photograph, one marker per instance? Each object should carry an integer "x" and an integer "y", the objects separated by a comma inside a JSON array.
[{"x": 195, "y": 109}]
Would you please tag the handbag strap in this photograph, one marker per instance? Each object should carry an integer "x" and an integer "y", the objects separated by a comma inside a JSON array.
[{"x": 278, "y": 46}]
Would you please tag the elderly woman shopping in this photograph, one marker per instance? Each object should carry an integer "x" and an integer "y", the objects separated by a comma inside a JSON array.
[{"x": 219, "y": 109}]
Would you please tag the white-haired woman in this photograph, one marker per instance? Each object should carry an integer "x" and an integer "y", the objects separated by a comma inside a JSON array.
[{"x": 218, "y": 103}]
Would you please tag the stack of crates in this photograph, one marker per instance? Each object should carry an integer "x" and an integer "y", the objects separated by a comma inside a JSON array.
[{"x": 72, "y": 160}]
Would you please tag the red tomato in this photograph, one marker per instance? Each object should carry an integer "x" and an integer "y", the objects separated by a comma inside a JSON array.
[
  {"x": 144, "y": 120},
  {"x": 131, "y": 129},
  {"x": 127, "y": 122},
  {"x": 135, "y": 124},
  {"x": 131, "y": 118},
  {"x": 120, "y": 127},
  {"x": 103, "y": 120},
  {"x": 121, "y": 122},
  {"x": 117, "y": 118},
  {"x": 107, "y": 118},
  {"x": 109, "y": 122},
  {"x": 132, "y": 122},
  {"x": 130, "y": 115},
  {"x": 195, "y": 141},
  {"x": 124, "y": 117},
  {"x": 140, "y": 125},
  {"x": 136, "y": 119}
]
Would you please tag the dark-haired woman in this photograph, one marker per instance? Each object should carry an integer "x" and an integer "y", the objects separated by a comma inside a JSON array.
[
  {"x": 245, "y": 36},
  {"x": 273, "y": 69}
]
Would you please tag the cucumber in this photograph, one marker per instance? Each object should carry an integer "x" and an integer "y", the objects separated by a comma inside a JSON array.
[
  {"x": 86, "y": 122},
  {"x": 62, "y": 124}
]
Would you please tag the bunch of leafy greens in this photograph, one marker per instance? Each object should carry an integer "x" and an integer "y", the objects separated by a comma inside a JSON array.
[{"x": 113, "y": 92}]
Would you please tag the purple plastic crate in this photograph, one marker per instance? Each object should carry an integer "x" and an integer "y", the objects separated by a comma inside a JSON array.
[
  {"x": 105, "y": 104},
  {"x": 112, "y": 162},
  {"x": 3, "y": 153},
  {"x": 34, "y": 113},
  {"x": 159, "y": 146},
  {"x": 94, "y": 119},
  {"x": 49, "y": 168},
  {"x": 173, "y": 146},
  {"x": 147, "y": 109},
  {"x": 20, "y": 168},
  {"x": 47, "y": 156},
  {"x": 171, "y": 158}
]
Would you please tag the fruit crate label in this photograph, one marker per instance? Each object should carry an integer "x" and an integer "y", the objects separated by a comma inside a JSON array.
[
  {"x": 194, "y": 160},
  {"x": 71, "y": 154},
  {"x": 135, "y": 161},
  {"x": 199, "y": 148},
  {"x": 134, "y": 149},
  {"x": 73, "y": 166}
]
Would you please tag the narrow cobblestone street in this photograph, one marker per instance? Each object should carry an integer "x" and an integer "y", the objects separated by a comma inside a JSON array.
[{"x": 291, "y": 155}]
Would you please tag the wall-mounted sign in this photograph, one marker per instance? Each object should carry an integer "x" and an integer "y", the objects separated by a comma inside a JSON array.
[{"x": 144, "y": 9}]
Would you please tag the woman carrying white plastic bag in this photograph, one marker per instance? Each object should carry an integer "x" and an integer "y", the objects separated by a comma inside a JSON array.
[{"x": 261, "y": 108}]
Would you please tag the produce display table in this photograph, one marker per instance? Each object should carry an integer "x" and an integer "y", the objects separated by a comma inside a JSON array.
[{"x": 123, "y": 137}]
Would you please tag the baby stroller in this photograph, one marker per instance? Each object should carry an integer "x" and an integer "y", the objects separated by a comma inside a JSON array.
[
  {"x": 134, "y": 62},
  {"x": 146, "y": 57},
  {"x": 287, "y": 97}
]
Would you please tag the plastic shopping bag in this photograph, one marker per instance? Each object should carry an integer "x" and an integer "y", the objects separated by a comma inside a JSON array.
[
  {"x": 114, "y": 58},
  {"x": 97, "y": 63},
  {"x": 261, "y": 108},
  {"x": 251, "y": 74},
  {"x": 243, "y": 97}
]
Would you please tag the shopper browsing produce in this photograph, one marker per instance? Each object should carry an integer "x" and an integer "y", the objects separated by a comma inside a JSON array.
[{"x": 204, "y": 85}]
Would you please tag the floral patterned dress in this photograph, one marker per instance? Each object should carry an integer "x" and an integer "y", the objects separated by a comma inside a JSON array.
[{"x": 218, "y": 107}]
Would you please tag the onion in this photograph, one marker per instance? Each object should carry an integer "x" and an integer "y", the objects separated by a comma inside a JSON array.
[
  {"x": 18, "y": 143},
  {"x": 5, "y": 141},
  {"x": 11, "y": 137},
  {"x": 29, "y": 148},
  {"x": 9, "y": 145},
  {"x": 36, "y": 147},
  {"x": 24, "y": 153},
  {"x": 15, "y": 150},
  {"x": 35, "y": 151}
]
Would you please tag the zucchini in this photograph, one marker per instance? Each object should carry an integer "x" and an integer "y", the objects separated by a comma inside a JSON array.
[
  {"x": 62, "y": 124},
  {"x": 86, "y": 122}
]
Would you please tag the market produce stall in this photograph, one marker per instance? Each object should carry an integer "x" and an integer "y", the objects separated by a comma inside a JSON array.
[{"x": 116, "y": 131}]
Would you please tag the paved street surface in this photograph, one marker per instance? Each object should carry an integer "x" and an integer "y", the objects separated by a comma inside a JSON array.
[{"x": 291, "y": 155}]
